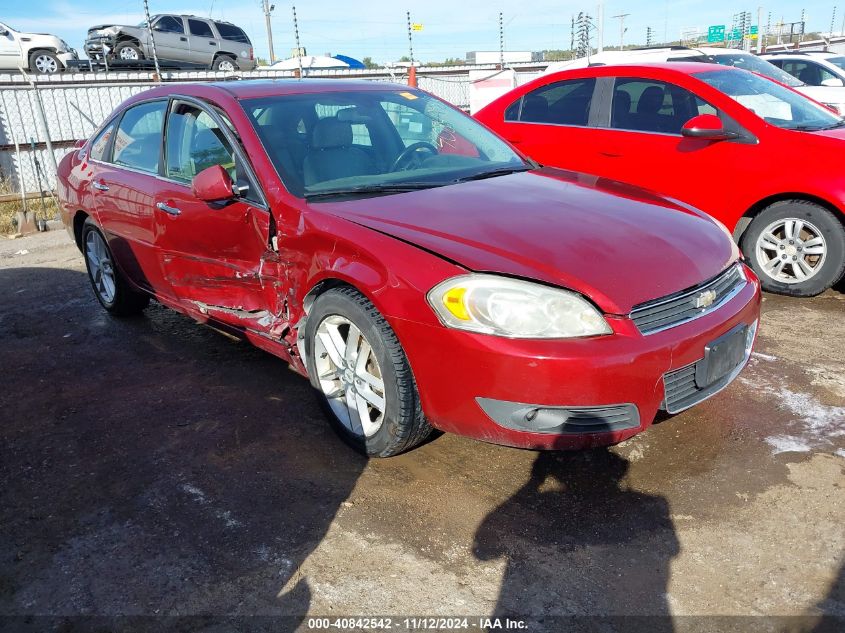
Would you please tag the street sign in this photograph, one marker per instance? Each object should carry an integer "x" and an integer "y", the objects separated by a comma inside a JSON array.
[
  {"x": 735, "y": 34},
  {"x": 416, "y": 27},
  {"x": 716, "y": 33}
]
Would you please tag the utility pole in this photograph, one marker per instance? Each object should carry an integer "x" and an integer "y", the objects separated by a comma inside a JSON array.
[
  {"x": 410, "y": 39},
  {"x": 268, "y": 8},
  {"x": 152, "y": 45},
  {"x": 621, "y": 17},
  {"x": 761, "y": 34},
  {"x": 296, "y": 36},
  {"x": 649, "y": 36},
  {"x": 501, "y": 43},
  {"x": 600, "y": 27}
]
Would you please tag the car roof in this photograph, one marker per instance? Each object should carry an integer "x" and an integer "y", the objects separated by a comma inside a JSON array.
[
  {"x": 686, "y": 68},
  {"x": 256, "y": 88}
]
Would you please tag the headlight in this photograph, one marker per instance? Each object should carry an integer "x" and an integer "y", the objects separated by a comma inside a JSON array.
[{"x": 490, "y": 304}]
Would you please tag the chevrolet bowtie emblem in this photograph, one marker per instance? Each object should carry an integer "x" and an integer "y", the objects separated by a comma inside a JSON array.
[{"x": 704, "y": 299}]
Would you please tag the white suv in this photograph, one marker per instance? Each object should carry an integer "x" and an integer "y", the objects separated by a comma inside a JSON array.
[
  {"x": 814, "y": 68},
  {"x": 827, "y": 94},
  {"x": 36, "y": 52}
]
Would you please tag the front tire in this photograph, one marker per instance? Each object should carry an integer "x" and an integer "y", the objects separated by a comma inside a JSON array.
[
  {"x": 110, "y": 287},
  {"x": 128, "y": 52},
  {"x": 361, "y": 376},
  {"x": 45, "y": 63},
  {"x": 796, "y": 248}
]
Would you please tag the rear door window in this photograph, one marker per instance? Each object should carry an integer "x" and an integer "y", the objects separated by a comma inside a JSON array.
[
  {"x": 200, "y": 28},
  {"x": 559, "y": 103},
  {"x": 137, "y": 143}
]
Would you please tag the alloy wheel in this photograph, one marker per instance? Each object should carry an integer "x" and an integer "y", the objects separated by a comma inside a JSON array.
[
  {"x": 226, "y": 66},
  {"x": 349, "y": 375},
  {"x": 791, "y": 251},
  {"x": 100, "y": 267},
  {"x": 128, "y": 53},
  {"x": 46, "y": 64}
]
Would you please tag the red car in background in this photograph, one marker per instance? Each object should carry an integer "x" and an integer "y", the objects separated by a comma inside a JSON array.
[
  {"x": 407, "y": 261},
  {"x": 756, "y": 155}
]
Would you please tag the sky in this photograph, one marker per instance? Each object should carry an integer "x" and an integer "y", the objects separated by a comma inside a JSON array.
[{"x": 378, "y": 29}]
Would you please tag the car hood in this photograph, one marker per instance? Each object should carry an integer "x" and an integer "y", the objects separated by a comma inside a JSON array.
[
  {"x": 615, "y": 243},
  {"x": 823, "y": 94}
]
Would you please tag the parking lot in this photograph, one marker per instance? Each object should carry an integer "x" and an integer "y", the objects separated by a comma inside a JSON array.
[{"x": 154, "y": 466}]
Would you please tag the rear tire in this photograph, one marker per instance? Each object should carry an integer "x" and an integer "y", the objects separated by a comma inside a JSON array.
[
  {"x": 335, "y": 373},
  {"x": 225, "y": 63},
  {"x": 796, "y": 248},
  {"x": 110, "y": 287}
]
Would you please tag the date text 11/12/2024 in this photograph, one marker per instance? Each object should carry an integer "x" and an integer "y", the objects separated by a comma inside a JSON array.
[{"x": 483, "y": 623}]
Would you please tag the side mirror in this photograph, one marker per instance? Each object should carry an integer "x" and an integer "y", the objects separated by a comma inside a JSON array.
[
  {"x": 708, "y": 127},
  {"x": 3, "y": 31},
  {"x": 833, "y": 82},
  {"x": 213, "y": 185}
]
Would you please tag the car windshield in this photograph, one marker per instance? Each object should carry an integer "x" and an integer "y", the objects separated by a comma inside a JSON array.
[
  {"x": 756, "y": 65},
  {"x": 368, "y": 142},
  {"x": 770, "y": 101},
  {"x": 836, "y": 61}
]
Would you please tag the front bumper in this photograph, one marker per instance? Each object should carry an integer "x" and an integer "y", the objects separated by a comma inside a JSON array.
[
  {"x": 68, "y": 57},
  {"x": 97, "y": 48},
  {"x": 459, "y": 374}
]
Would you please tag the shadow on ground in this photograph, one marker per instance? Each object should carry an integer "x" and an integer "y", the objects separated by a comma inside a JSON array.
[
  {"x": 153, "y": 466},
  {"x": 606, "y": 547}
]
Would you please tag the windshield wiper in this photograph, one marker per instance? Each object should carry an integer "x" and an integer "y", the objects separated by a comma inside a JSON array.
[
  {"x": 834, "y": 125},
  {"x": 493, "y": 173},
  {"x": 398, "y": 187}
]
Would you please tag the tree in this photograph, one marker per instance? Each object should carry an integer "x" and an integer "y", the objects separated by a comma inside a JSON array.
[
  {"x": 369, "y": 63},
  {"x": 404, "y": 58}
]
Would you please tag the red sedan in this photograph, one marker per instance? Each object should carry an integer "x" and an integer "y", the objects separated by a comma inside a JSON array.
[
  {"x": 416, "y": 269},
  {"x": 754, "y": 154}
]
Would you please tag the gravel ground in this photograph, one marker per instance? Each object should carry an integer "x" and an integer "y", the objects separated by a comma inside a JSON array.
[{"x": 154, "y": 467}]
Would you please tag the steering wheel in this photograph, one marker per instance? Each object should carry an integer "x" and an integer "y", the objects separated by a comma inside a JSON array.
[{"x": 411, "y": 158}]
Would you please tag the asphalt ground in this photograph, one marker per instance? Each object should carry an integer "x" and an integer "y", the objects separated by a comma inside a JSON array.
[{"x": 158, "y": 474}]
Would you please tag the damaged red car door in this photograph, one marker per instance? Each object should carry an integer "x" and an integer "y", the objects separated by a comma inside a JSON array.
[{"x": 212, "y": 252}]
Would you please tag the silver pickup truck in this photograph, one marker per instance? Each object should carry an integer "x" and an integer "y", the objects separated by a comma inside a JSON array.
[{"x": 185, "y": 41}]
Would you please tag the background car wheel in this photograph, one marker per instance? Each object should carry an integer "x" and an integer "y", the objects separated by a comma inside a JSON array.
[
  {"x": 45, "y": 63},
  {"x": 226, "y": 64},
  {"x": 127, "y": 51},
  {"x": 796, "y": 248},
  {"x": 361, "y": 375},
  {"x": 110, "y": 288}
]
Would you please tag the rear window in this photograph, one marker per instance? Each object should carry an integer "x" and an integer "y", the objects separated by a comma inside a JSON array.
[
  {"x": 200, "y": 28},
  {"x": 231, "y": 32}
]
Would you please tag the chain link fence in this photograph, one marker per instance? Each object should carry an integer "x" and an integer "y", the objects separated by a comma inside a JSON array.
[{"x": 40, "y": 120}]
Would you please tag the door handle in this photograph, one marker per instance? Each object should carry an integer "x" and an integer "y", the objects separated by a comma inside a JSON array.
[
  {"x": 611, "y": 154},
  {"x": 212, "y": 43},
  {"x": 183, "y": 39},
  {"x": 100, "y": 186},
  {"x": 162, "y": 206}
]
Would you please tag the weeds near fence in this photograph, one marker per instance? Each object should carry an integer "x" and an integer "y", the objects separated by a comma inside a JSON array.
[{"x": 8, "y": 210}]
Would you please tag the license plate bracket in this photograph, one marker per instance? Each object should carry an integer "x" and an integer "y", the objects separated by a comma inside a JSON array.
[{"x": 721, "y": 357}]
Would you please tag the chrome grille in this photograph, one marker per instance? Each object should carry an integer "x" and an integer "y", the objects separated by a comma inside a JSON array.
[{"x": 660, "y": 314}]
